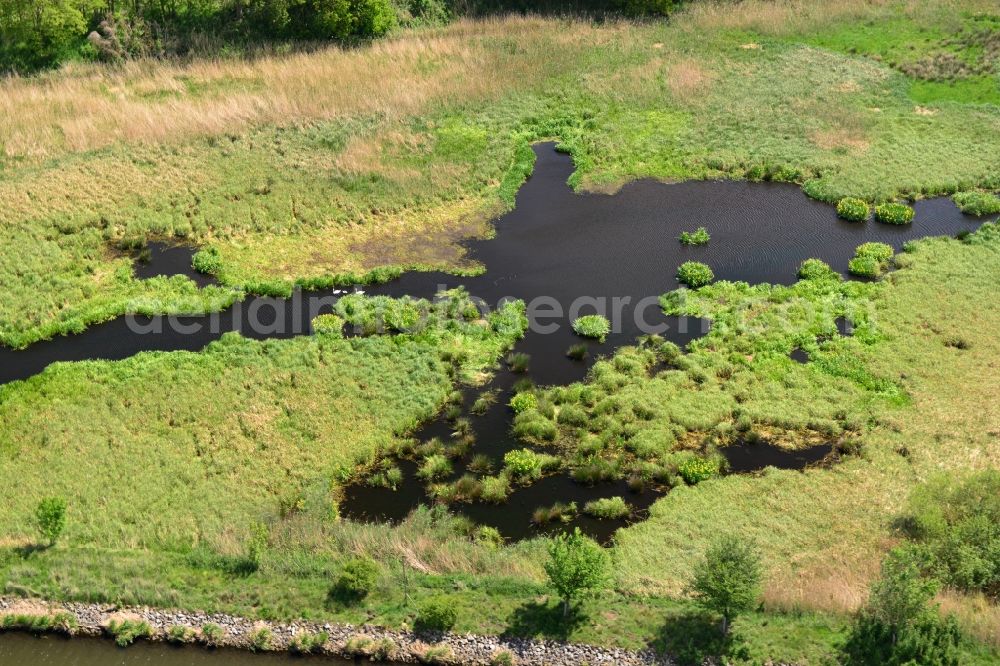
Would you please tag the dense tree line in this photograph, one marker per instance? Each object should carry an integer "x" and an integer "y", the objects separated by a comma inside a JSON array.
[{"x": 36, "y": 34}]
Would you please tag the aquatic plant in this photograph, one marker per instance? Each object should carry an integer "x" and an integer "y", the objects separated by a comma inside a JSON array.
[
  {"x": 523, "y": 464},
  {"x": 558, "y": 512},
  {"x": 977, "y": 203},
  {"x": 484, "y": 402},
  {"x": 436, "y": 614},
  {"x": 695, "y": 274},
  {"x": 481, "y": 464},
  {"x": 817, "y": 269},
  {"x": 533, "y": 426},
  {"x": 881, "y": 252},
  {"x": 610, "y": 508},
  {"x": 434, "y": 467},
  {"x": 697, "y": 469},
  {"x": 596, "y": 470},
  {"x": 855, "y": 210},
  {"x": 577, "y": 352},
  {"x": 894, "y": 213},
  {"x": 207, "y": 260},
  {"x": 697, "y": 237},
  {"x": 870, "y": 259},
  {"x": 522, "y": 402},
  {"x": 518, "y": 361},
  {"x": 495, "y": 489},
  {"x": 864, "y": 267},
  {"x": 592, "y": 326}
]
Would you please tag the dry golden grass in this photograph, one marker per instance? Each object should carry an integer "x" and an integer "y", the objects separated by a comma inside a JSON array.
[
  {"x": 784, "y": 17},
  {"x": 85, "y": 107}
]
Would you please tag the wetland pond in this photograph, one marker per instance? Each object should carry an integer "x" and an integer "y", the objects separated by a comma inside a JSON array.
[{"x": 565, "y": 254}]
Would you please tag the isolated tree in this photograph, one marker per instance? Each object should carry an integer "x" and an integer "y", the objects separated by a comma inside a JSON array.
[
  {"x": 900, "y": 626},
  {"x": 727, "y": 580},
  {"x": 51, "y": 518},
  {"x": 577, "y": 564}
]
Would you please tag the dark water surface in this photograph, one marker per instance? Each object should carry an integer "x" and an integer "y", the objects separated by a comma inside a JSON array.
[{"x": 17, "y": 649}]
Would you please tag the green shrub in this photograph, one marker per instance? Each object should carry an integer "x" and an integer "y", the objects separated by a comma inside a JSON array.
[
  {"x": 816, "y": 269},
  {"x": 523, "y": 464},
  {"x": 572, "y": 415},
  {"x": 894, "y": 213},
  {"x": 977, "y": 203},
  {"x": 51, "y": 518},
  {"x": 375, "y": 650},
  {"x": 328, "y": 324},
  {"x": 697, "y": 237},
  {"x": 864, "y": 267},
  {"x": 852, "y": 209},
  {"x": 592, "y": 326},
  {"x": 436, "y": 614},
  {"x": 535, "y": 427},
  {"x": 435, "y": 467},
  {"x": 609, "y": 508},
  {"x": 695, "y": 274},
  {"x": 899, "y": 625},
  {"x": 212, "y": 634},
  {"x": 957, "y": 523},
  {"x": 697, "y": 469},
  {"x": 357, "y": 579},
  {"x": 522, "y": 402},
  {"x": 126, "y": 632},
  {"x": 488, "y": 536}
]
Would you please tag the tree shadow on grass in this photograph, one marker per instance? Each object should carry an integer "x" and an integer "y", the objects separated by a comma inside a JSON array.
[
  {"x": 26, "y": 551},
  {"x": 694, "y": 638},
  {"x": 543, "y": 620}
]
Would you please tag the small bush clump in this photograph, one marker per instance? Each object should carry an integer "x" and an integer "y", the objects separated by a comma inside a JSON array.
[
  {"x": 518, "y": 361},
  {"x": 610, "y": 508},
  {"x": 307, "y": 643},
  {"x": 697, "y": 237},
  {"x": 894, "y": 213},
  {"x": 694, "y": 470},
  {"x": 328, "y": 324},
  {"x": 577, "y": 352},
  {"x": 180, "y": 634},
  {"x": 126, "y": 632},
  {"x": 558, "y": 512},
  {"x": 523, "y": 464},
  {"x": 522, "y": 402},
  {"x": 261, "y": 639},
  {"x": 977, "y": 203},
  {"x": 436, "y": 614},
  {"x": 870, "y": 260},
  {"x": 495, "y": 489},
  {"x": 854, "y": 210},
  {"x": 695, "y": 274},
  {"x": 816, "y": 269},
  {"x": 592, "y": 326},
  {"x": 212, "y": 634},
  {"x": 356, "y": 581},
  {"x": 435, "y": 467}
]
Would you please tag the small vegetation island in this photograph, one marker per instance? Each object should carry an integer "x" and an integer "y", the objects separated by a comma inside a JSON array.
[{"x": 812, "y": 476}]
